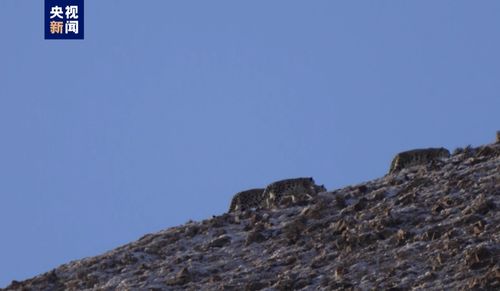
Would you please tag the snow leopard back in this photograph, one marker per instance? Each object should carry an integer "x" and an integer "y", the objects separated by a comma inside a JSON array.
[{"x": 247, "y": 199}]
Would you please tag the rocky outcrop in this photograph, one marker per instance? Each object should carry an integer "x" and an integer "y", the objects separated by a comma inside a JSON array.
[{"x": 419, "y": 227}]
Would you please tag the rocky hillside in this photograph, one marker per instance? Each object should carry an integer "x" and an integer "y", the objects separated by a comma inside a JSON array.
[{"x": 432, "y": 226}]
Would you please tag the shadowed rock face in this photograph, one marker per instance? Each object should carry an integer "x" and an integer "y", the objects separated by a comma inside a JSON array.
[
  {"x": 417, "y": 157},
  {"x": 247, "y": 199},
  {"x": 498, "y": 137},
  {"x": 423, "y": 228}
]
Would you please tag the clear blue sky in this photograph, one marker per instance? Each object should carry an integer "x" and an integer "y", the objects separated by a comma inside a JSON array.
[{"x": 168, "y": 108}]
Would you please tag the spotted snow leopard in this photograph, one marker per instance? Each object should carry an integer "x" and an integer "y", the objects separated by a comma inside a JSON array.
[
  {"x": 417, "y": 157},
  {"x": 294, "y": 189},
  {"x": 247, "y": 199}
]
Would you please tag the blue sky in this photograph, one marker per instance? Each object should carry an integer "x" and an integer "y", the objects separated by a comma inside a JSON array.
[{"x": 168, "y": 108}]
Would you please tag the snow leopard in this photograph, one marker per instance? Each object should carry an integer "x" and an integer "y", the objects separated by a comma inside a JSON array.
[
  {"x": 417, "y": 157},
  {"x": 247, "y": 199},
  {"x": 295, "y": 189}
]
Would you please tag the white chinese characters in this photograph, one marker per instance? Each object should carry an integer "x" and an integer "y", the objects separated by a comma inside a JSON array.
[
  {"x": 72, "y": 12},
  {"x": 70, "y": 22},
  {"x": 56, "y": 11},
  {"x": 71, "y": 26}
]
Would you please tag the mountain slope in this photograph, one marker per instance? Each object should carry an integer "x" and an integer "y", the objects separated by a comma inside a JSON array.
[{"x": 434, "y": 226}]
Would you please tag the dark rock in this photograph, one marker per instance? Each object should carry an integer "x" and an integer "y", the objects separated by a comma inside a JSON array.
[
  {"x": 362, "y": 189},
  {"x": 289, "y": 260},
  {"x": 220, "y": 241},
  {"x": 192, "y": 230},
  {"x": 218, "y": 232},
  {"x": 294, "y": 230},
  {"x": 378, "y": 195},
  {"x": 437, "y": 208},
  {"x": 52, "y": 277},
  {"x": 254, "y": 237},
  {"x": 340, "y": 201},
  {"x": 361, "y": 204},
  {"x": 479, "y": 257},
  {"x": 314, "y": 211},
  {"x": 253, "y": 286},
  {"x": 182, "y": 277}
]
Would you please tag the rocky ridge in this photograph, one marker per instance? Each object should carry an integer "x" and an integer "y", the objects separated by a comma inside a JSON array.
[{"x": 433, "y": 226}]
